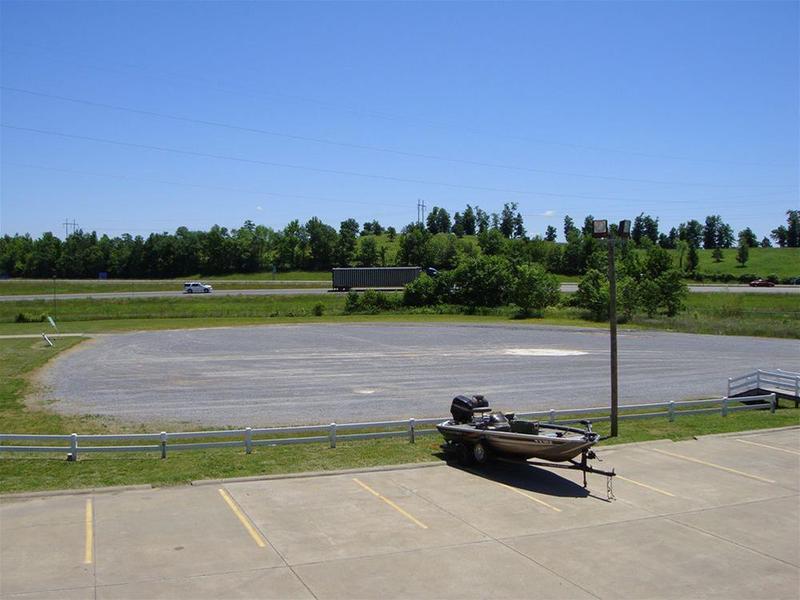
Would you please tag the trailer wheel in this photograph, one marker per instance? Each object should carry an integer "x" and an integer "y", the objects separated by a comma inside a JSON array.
[
  {"x": 464, "y": 455},
  {"x": 480, "y": 454}
]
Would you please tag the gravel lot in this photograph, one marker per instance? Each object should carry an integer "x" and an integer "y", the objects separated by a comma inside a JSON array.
[{"x": 281, "y": 375}]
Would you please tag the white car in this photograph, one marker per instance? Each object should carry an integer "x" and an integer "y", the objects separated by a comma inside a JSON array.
[{"x": 195, "y": 287}]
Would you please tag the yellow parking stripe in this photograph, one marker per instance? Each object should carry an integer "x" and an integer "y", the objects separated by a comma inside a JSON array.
[
  {"x": 390, "y": 503},
  {"x": 768, "y": 446},
  {"x": 528, "y": 496},
  {"x": 644, "y": 485},
  {"x": 88, "y": 552},
  {"x": 708, "y": 464},
  {"x": 257, "y": 537}
]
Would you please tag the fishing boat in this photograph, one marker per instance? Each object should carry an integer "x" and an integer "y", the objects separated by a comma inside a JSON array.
[{"x": 476, "y": 433}]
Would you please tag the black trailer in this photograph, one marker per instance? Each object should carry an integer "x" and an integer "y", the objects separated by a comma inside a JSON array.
[{"x": 344, "y": 279}]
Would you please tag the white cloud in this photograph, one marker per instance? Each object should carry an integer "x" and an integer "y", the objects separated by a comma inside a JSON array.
[
  {"x": 259, "y": 208},
  {"x": 548, "y": 213}
]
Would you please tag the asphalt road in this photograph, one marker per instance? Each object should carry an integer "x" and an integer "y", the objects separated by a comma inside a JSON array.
[
  {"x": 565, "y": 287},
  {"x": 305, "y": 374}
]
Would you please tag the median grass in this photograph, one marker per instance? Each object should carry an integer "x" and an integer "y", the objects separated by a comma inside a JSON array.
[
  {"x": 19, "y": 359},
  {"x": 753, "y": 314}
]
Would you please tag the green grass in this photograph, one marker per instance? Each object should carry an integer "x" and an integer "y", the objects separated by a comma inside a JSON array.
[
  {"x": 764, "y": 315},
  {"x": 19, "y": 358},
  {"x": 17, "y": 287},
  {"x": 783, "y": 262}
]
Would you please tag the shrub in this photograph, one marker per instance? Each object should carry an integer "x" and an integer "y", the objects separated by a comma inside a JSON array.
[
  {"x": 747, "y": 277},
  {"x": 592, "y": 294},
  {"x": 421, "y": 292},
  {"x": 371, "y": 301},
  {"x": 773, "y": 278},
  {"x": 319, "y": 309},
  {"x": 482, "y": 281},
  {"x": 28, "y": 318},
  {"x": 534, "y": 289}
]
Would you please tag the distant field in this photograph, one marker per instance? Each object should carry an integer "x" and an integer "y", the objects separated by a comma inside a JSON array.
[
  {"x": 16, "y": 287},
  {"x": 767, "y": 315},
  {"x": 783, "y": 262}
]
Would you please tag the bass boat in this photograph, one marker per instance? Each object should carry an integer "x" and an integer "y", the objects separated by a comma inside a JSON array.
[{"x": 476, "y": 433}]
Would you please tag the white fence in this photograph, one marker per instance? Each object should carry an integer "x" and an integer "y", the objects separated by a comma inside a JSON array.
[
  {"x": 249, "y": 438},
  {"x": 784, "y": 383}
]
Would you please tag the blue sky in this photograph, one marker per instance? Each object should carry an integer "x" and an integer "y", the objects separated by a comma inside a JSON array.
[{"x": 337, "y": 110}]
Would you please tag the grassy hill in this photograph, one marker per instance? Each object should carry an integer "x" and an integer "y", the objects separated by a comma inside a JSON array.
[{"x": 783, "y": 262}]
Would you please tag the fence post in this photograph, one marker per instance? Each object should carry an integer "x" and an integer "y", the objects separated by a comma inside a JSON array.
[
  {"x": 671, "y": 411},
  {"x": 411, "y": 432},
  {"x": 73, "y": 447},
  {"x": 248, "y": 440},
  {"x": 730, "y": 379},
  {"x": 773, "y": 400},
  {"x": 163, "y": 444},
  {"x": 552, "y": 416},
  {"x": 758, "y": 379},
  {"x": 796, "y": 391},
  {"x": 724, "y": 407},
  {"x": 332, "y": 435}
]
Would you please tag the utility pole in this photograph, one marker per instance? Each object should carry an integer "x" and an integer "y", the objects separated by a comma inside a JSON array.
[
  {"x": 623, "y": 232},
  {"x": 67, "y": 225}
]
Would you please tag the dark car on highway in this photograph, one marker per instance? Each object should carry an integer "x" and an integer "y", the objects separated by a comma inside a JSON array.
[{"x": 761, "y": 283}]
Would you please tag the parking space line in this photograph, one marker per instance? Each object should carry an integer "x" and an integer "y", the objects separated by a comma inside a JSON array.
[
  {"x": 528, "y": 496},
  {"x": 768, "y": 446},
  {"x": 248, "y": 525},
  {"x": 390, "y": 503},
  {"x": 708, "y": 464},
  {"x": 644, "y": 485},
  {"x": 88, "y": 551}
]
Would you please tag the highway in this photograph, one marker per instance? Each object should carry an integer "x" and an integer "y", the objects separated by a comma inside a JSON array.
[{"x": 565, "y": 287}]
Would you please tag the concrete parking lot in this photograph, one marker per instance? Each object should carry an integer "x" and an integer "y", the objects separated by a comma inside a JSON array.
[{"x": 715, "y": 517}]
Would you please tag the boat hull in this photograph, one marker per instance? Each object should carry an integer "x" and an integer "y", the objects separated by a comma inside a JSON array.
[{"x": 553, "y": 443}]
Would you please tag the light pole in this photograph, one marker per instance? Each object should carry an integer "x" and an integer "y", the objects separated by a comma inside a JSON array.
[
  {"x": 55, "y": 306},
  {"x": 623, "y": 232}
]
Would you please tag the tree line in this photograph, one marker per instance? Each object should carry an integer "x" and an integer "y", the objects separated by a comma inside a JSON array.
[{"x": 441, "y": 242}]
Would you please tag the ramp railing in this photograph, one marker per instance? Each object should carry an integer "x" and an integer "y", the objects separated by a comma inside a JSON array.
[
  {"x": 248, "y": 438},
  {"x": 783, "y": 383}
]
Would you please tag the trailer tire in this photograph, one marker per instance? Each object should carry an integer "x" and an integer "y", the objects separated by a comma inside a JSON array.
[
  {"x": 480, "y": 454},
  {"x": 464, "y": 455}
]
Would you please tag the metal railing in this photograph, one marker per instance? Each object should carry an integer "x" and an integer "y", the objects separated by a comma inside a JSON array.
[
  {"x": 785, "y": 383},
  {"x": 249, "y": 438}
]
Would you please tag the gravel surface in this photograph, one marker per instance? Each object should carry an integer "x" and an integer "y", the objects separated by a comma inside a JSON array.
[{"x": 283, "y": 374}]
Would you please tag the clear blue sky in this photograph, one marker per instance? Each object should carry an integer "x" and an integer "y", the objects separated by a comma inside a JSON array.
[{"x": 677, "y": 109}]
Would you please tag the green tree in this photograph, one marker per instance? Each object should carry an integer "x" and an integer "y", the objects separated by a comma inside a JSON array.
[
  {"x": 468, "y": 221},
  {"x": 346, "y": 244},
  {"x": 367, "y": 251},
  {"x": 743, "y": 253},
  {"x": 592, "y": 294},
  {"x": 533, "y": 289},
  {"x": 692, "y": 259},
  {"x": 747, "y": 237},
  {"x": 550, "y": 234},
  {"x": 793, "y": 228},
  {"x": 716, "y": 254},
  {"x": 482, "y": 281},
  {"x": 414, "y": 247}
]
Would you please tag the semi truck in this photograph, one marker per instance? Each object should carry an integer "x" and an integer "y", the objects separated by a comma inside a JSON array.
[{"x": 344, "y": 279}]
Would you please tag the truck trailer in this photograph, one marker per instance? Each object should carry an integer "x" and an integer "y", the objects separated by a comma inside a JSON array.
[{"x": 344, "y": 279}]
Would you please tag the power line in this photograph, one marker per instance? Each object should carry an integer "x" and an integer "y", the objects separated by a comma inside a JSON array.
[
  {"x": 371, "y": 148},
  {"x": 199, "y": 186},
  {"x": 313, "y": 169},
  {"x": 170, "y": 78}
]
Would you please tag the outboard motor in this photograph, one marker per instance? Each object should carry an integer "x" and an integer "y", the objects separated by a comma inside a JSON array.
[{"x": 463, "y": 407}]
